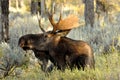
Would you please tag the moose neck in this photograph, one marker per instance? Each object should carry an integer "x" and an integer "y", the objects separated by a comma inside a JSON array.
[{"x": 54, "y": 41}]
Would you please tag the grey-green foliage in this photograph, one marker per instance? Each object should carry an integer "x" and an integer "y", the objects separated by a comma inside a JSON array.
[
  {"x": 12, "y": 55},
  {"x": 10, "y": 59},
  {"x": 107, "y": 68},
  {"x": 98, "y": 37}
]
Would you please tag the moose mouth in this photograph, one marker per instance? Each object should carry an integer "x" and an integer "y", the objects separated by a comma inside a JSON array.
[{"x": 26, "y": 48}]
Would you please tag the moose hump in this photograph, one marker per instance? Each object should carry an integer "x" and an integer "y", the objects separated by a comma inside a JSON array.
[{"x": 72, "y": 21}]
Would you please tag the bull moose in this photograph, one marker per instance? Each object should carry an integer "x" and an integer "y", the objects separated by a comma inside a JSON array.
[{"x": 60, "y": 50}]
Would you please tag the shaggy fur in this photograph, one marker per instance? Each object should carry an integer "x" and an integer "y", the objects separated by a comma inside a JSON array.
[{"x": 62, "y": 51}]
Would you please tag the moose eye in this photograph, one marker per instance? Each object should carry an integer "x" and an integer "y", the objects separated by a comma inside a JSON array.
[{"x": 45, "y": 36}]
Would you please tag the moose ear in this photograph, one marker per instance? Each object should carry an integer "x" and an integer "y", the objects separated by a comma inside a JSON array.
[{"x": 48, "y": 34}]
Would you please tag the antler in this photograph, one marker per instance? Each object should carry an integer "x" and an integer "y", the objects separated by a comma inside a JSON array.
[
  {"x": 39, "y": 21},
  {"x": 70, "y": 22},
  {"x": 53, "y": 22}
]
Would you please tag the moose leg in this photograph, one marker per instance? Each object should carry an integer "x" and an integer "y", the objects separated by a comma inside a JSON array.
[
  {"x": 46, "y": 65},
  {"x": 82, "y": 61},
  {"x": 70, "y": 61},
  {"x": 60, "y": 63},
  {"x": 58, "y": 60},
  {"x": 90, "y": 62},
  {"x": 77, "y": 61}
]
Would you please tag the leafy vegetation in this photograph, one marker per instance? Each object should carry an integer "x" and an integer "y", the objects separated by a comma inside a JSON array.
[
  {"x": 107, "y": 68},
  {"x": 103, "y": 39}
]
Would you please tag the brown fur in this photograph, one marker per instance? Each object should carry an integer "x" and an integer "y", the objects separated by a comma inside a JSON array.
[
  {"x": 62, "y": 51},
  {"x": 74, "y": 53}
]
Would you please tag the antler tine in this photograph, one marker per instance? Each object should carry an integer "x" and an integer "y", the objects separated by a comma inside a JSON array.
[
  {"x": 39, "y": 21},
  {"x": 60, "y": 18},
  {"x": 52, "y": 20},
  {"x": 61, "y": 11},
  {"x": 50, "y": 15}
]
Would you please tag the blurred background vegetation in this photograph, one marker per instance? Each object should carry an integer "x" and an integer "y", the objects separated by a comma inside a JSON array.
[{"x": 103, "y": 35}]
